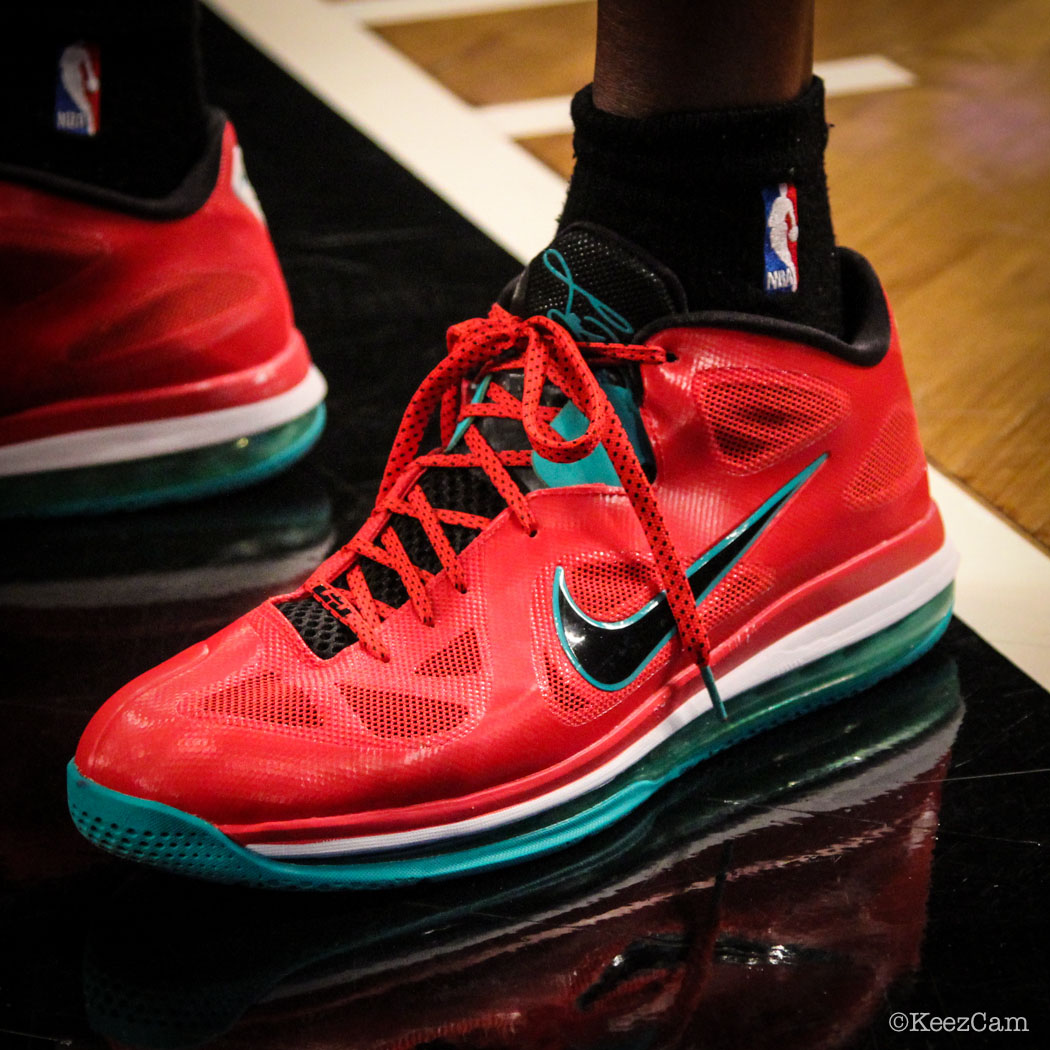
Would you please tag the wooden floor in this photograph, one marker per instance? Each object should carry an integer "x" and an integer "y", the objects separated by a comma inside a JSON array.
[{"x": 945, "y": 185}]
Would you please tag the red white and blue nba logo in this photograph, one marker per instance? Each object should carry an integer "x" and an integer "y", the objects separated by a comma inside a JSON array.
[
  {"x": 78, "y": 89},
  {"x": 781, "y": 238}
]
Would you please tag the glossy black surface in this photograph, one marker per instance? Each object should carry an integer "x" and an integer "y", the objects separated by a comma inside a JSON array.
[{"x": 889, "y": 854}]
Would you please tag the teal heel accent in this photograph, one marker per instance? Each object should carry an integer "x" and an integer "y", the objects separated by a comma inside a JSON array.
[
  {"x": 160, "y": 835},
  {"x": 172, "y": 478}
]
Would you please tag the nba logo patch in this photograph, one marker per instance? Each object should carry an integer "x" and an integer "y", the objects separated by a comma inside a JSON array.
[
  {"x": 78, "y": 89},
  {"x": 781, "y": 238}
]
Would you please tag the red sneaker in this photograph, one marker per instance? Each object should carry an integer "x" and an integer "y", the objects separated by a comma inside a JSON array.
[
  {"x": 149, "y": 352},
  {"x": 624, "y": 558}
]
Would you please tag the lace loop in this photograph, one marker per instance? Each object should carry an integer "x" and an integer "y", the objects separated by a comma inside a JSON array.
[{"x": 552, "y": 353}]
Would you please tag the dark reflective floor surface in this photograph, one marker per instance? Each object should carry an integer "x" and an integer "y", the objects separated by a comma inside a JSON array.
[{"x": 887, "y": 855}]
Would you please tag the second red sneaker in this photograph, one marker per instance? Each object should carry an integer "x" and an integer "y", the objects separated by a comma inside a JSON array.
[
  {"x": 149, "y": 351},
  {"x": 647, "y": 534}
]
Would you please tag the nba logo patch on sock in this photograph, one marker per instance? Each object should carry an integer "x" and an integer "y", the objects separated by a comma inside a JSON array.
[
  {"x": 78, "y": 89},
  {"x": 781, "y": 238}
]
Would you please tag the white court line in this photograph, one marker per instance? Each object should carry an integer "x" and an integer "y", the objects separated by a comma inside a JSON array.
[
  {"x": 529, "y": 116},
  {"x": 1004, "y": 582},
  {"x": 550, "y": 116},
  {"x": 389, "y": 12},
  {"x": 1003, "y": 587},
  {"x": 849, "y": 76}
]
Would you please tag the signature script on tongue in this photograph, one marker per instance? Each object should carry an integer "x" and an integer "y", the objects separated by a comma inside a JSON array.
[{"x": 602, "y": 324}]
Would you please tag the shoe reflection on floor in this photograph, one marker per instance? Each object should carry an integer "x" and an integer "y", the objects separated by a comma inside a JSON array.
[{"x": 769, "y": 898}]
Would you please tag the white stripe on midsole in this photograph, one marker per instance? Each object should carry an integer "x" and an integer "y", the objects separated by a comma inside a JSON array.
[
  {"x": 130, "y": 441},
  {"x": 852, "y": 622}
]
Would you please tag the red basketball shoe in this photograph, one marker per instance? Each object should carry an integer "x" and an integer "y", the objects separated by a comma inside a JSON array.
[
  {"x": 148, "y": 352},
  {"x": 622, "y": 558}
]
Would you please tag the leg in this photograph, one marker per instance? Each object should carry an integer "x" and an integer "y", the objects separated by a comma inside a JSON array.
[{"x": 678, "y": 55}]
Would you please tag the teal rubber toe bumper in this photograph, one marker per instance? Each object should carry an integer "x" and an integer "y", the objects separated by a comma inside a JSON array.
[{"x": 164, "y": 837}]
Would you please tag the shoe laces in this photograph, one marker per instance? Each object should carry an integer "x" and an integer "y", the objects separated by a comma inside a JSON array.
[{"x": 543, "y": 353}]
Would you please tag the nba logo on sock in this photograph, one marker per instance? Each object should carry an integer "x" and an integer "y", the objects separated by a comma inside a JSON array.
[
  {"x": 781, "y": 238},
  {"x": 78, "y": 89}
]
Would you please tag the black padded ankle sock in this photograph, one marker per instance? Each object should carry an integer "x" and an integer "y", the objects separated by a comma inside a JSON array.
[
  {"x": 104, "y": 92},
  {"x": 735, "y": 202}
]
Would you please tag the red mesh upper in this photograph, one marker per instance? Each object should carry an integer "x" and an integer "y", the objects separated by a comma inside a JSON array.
[
  {"x": 573, "y": 700},
  {"x": 757, "y": 416},
  {"x": 354, "y": 699},
  {"x": 892, "y": 465},
  {"x": 744, "y": 584},
  {"x": 460, "y": 657},
  {"x": 403, "y": 716},
  {"x": 262, "y": 698},
  {"x": 612, "y": 589}
]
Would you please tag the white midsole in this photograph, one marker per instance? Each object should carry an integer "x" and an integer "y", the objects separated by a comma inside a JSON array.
[
  {"x": 131, "y": 441},
  {"x": 849, "y": 623}
]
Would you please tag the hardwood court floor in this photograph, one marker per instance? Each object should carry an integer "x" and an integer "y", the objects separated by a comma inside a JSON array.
[{"x": 945, "y": 185}]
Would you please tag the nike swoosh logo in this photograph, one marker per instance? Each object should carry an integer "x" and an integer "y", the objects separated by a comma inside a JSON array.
[{"x": 612, "y": 655}]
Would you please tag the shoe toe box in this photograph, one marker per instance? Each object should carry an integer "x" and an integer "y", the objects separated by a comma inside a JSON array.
[{"x": 249, "y": 727}]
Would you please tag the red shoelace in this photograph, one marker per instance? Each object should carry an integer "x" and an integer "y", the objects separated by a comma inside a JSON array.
[{"x": 544, "y": 352}]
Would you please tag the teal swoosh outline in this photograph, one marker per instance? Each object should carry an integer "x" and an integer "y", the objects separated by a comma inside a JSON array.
[{"x": 560, "y": 587}]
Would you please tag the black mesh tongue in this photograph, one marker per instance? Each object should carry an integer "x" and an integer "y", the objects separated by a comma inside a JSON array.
[{"x": 602, "y": 288}]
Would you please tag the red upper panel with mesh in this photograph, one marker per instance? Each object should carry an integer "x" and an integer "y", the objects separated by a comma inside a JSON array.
[{"x": 757, "y": 416}]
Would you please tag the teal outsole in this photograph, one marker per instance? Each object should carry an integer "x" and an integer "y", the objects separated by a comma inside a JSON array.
[
  {"x": 173, "y": 478},
  {"x": 159, "y": 835}
]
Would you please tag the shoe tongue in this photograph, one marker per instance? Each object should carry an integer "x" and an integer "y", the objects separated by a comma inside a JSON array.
[{"x": 600, "y": 287}]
